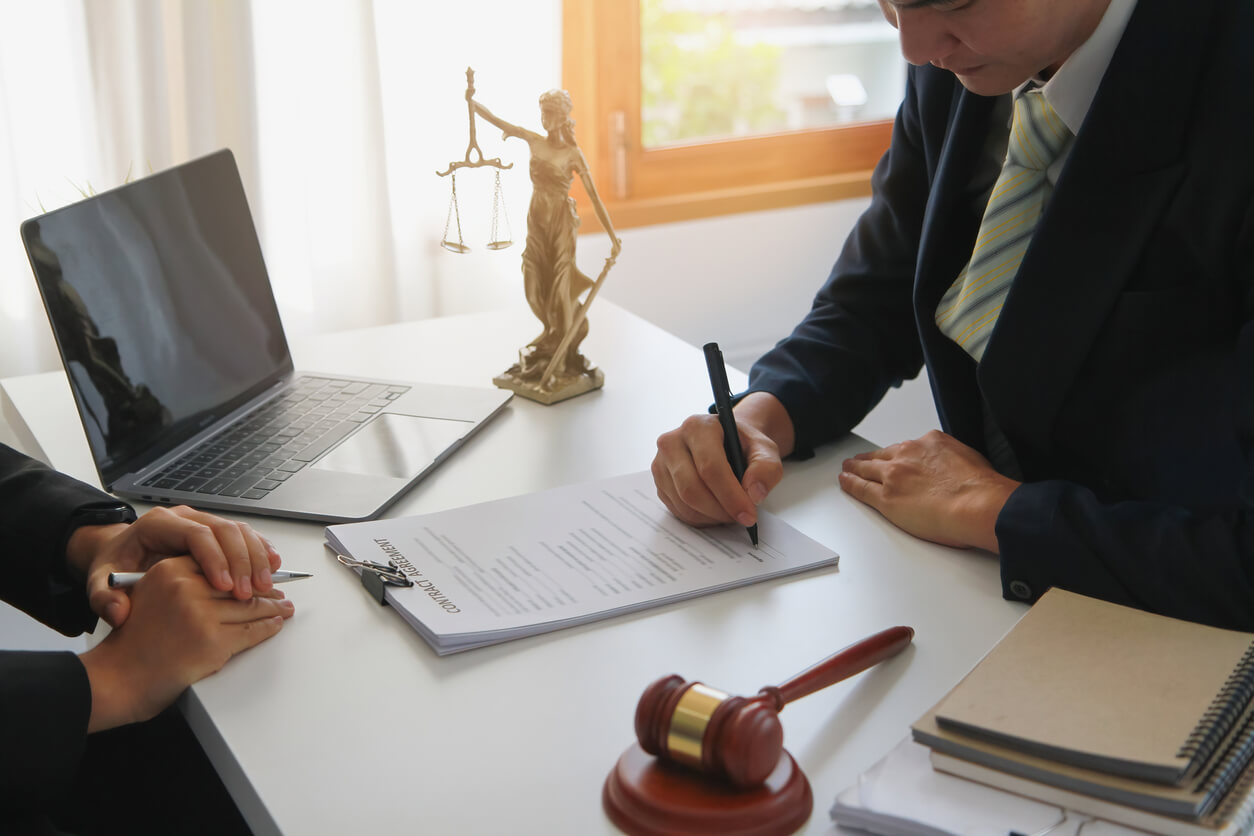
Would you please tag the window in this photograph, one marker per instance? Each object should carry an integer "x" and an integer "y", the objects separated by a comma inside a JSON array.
[{"x": 693, "y": 108}]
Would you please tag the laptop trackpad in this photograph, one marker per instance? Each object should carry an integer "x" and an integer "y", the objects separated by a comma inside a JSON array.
[{"x": 394, "y": 445}]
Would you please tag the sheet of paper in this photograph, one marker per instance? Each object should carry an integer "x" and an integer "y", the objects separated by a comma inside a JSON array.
[{"x": 538, "y": 562}]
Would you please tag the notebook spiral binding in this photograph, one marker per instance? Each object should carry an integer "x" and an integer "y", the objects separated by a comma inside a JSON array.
[
  {"x": 1230, "y": 781},
  {"x": 1223, "y": 712}
]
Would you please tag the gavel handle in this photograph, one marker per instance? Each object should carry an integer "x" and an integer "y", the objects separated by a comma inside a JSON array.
[{"x": 842, "y": 664}]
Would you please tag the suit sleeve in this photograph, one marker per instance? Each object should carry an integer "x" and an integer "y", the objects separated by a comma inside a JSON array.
[
  {"x": 38, "y": 507},
  {"x": 45, "y": 698},
  {"x": 859, "y": 337},
  {"x": 1190, "y": 557},
  {"x": 45, "y": 703}
]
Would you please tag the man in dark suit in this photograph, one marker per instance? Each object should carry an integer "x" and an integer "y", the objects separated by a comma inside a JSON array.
[
  {"x": 1092, "y": 360},
  {"x": 180, "y": 623}
]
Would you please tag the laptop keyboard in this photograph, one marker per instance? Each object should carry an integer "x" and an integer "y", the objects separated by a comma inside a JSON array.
[{"x": 261, "y": 450}]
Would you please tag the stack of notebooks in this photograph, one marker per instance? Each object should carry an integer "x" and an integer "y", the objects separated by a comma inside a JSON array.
[{"x": 1109, "y": 711}]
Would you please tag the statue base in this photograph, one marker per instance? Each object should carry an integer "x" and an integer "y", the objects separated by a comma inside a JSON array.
[{"x": 559, "y": 390}]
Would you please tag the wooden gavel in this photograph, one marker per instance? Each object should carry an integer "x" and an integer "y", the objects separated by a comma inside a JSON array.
[{"x": 740, "y": 738}]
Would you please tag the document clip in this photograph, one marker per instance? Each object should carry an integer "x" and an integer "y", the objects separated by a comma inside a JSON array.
[{"x": 377, "y": 577}]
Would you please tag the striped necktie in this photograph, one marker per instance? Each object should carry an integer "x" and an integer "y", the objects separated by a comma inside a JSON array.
[{"x": 967, "y": 312}]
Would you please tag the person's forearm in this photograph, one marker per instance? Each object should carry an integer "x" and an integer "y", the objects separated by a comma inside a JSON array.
[{"x": 765, "y": 412}]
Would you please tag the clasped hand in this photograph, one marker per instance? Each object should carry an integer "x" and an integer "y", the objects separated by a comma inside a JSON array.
[
  {"x": 180, "y": 631},
  {"x": 231, "y": 555}
]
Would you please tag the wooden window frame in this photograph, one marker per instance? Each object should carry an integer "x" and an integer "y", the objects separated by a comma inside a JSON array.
[{"x": 601, "y": 70}]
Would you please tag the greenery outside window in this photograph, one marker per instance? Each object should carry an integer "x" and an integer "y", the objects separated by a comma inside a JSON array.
[{"x": 694, "y": 108}]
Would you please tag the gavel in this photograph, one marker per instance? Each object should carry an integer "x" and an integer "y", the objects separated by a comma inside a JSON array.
[{"x": 740, "y": 738}]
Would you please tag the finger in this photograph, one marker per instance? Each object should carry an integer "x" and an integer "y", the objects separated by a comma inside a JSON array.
[
  {"x": 272, "y": 554},
  {"x": 693, "y": 499},
  {"x": 667, "y": 492},
  {"x": 182, "y": 530},
  {"x": 254, "y": 609},
  {"x": 863, "y": 490},
  {"x": 868, "y": 469},
  {"x": 113, "y": 605},
  {"x": 715, "y": 478},
  {"x": 240, "y": 637},
  {"x": 229, "y": 595},
  {"x": 764, "y": 471},
  {"x": 880, "y": 453},
  {"x": 222, "y": 543},
  {"x": 258, "y": 558}
]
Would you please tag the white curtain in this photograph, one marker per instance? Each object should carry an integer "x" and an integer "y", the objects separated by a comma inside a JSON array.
[{"x": 339, "y": 113}]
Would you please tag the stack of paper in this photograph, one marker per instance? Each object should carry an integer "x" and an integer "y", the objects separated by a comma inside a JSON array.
[
  {"x": 516, "y": 567},
  {"x": 903, "y": 796}
]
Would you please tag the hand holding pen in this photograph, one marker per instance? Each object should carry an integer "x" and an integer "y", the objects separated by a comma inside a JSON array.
[
  {"x": 232, "y": 556},
  {"x": 723, "y": 405}
]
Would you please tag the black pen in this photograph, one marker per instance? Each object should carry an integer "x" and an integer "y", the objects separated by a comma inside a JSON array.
[{"x": 723, "y": 406}]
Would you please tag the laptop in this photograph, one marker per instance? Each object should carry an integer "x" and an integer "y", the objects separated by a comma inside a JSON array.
[{"x": 168, "y": 328}]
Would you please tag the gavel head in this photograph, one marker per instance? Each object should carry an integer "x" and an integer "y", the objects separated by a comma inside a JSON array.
[{"x": 700, "y": 727}]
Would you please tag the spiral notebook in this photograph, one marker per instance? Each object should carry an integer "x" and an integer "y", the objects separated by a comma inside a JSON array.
[
  {"x": 1109, "y": 700},
  {"x": 1232, "y": 814},
  {"x": 1204, "y": 798}
]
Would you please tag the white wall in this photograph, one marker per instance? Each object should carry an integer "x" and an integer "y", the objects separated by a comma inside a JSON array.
[{"x": 744, "y": 281}]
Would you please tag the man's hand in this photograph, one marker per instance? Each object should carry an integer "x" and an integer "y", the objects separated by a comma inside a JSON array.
[
  {"x": 231, "y": 555},
  {"x": 693, "y": 477},
  {"x": 180, "y": 630},
  {"x": 934, "y": 487}
]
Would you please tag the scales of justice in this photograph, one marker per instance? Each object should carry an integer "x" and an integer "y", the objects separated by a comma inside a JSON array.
[{"x": 550, "y": 368}]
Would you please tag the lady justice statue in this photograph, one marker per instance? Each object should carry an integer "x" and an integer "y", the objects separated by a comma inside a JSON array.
[{"x": 550, "y": 368}]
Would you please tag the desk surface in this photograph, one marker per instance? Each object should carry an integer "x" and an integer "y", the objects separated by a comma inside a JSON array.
[{"x": 347, "y": 722}]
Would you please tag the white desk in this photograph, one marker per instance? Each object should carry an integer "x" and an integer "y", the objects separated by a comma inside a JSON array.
[{"x": 347, "y": 722}]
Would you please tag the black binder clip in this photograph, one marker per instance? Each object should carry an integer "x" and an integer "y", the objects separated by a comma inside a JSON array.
[{"x": 377, "y": 577}]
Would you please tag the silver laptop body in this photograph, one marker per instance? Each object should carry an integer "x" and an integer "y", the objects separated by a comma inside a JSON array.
[{"x": 167, "y": 325}]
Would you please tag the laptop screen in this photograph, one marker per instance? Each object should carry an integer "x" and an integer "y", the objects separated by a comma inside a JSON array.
[{"x": 161, "y": 308}]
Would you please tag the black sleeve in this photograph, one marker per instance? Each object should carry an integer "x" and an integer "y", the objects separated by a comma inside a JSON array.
[
  {"x": 45, "y": 698},
  {"x": 859, "y": 337},
  {"x": 39, "y": 508},
  {"x": 1192, "y": 560},
  {"x": 45, "y": 703}
]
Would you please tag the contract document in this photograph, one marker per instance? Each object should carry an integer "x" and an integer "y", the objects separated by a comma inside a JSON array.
[{"x": 530, "y": 564}]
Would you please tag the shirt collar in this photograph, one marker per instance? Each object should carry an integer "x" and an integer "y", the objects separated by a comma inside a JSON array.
[{"x": 1071, "y": 90}]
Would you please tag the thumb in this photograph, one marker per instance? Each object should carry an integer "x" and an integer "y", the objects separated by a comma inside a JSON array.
[
  {"x": 113, "y": 605},
  {"x": 764, "y": 469}
]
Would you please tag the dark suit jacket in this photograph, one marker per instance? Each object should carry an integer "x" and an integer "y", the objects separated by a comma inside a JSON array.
[
  {"x": 45, "y": 699},
  {"x": 1122, "y": 366}
]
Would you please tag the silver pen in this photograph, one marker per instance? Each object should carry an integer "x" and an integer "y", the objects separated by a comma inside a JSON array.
[{"x": 122, "y": 580}]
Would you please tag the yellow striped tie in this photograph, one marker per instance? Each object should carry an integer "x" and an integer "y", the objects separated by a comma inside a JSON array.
[{"x": 969, "y": 309}]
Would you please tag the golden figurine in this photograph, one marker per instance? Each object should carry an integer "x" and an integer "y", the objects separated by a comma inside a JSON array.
[{"x": 550, "y": 368}]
